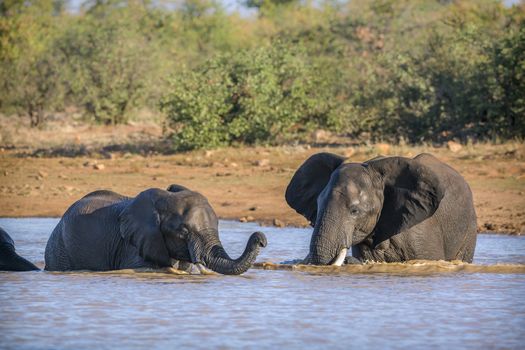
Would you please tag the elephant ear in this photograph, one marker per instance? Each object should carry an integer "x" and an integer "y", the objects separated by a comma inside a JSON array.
[
  {"x": 412, "y": 193},
  {"x": 140, "y": 225},
  {"x": 176, "y": 188},
  {"x": 308, "y": 182}
]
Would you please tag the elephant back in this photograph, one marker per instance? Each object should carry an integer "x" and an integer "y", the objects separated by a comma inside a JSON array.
[{"x": 85, "y": 227}]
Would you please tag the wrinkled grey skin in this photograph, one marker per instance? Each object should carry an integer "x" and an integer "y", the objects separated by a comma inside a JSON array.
[
  {"x": 107, "y": 231},
  {"x": 9, "y": 259},
  {"x": 387, "y": 209}
]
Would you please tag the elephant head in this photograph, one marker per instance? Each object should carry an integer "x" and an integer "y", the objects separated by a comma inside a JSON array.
[
  {"x": 348, "y": 203},
  {"x": 180, "y": 224}
]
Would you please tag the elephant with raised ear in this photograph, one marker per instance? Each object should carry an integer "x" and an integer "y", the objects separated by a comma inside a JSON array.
[
  {"x": 386, "y": 209},
  {"x": 9, "y": 259},
  {"x": 157, "y": 228}
]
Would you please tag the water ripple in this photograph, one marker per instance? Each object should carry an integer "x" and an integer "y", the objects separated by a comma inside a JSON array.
[{"x": 396, "y": 306}]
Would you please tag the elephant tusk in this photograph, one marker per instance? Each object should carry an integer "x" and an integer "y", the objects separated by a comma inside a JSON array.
[
  {"x": 340, "y": 258},
  {"x": 175, "y": 264}
]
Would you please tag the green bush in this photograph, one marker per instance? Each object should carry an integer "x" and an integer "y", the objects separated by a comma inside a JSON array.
[
  {"x": 196, "y": 106},
  {"x": 29, "y": 72},
  {"x": 107, "y": 66},
  {"x": 252, "y": 96},
  {"x": 505, "y": 116},
  {"x": 464, "y": 81},
  {"x": 387, "y": 69}
]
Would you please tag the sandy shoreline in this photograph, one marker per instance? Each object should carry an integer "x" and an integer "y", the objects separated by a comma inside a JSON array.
[{"x": 246, "y": 184}]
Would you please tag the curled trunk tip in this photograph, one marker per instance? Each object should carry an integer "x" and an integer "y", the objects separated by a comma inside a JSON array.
[
  {"x": 219, "y": 261},
  {"x": 258, "y": 238}
]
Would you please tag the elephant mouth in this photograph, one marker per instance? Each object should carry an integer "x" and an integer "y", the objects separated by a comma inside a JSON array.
[
  {"x": 200, "y": 267},
  {"x": 340, "y": 258},
  {"x": 350, "y": 240}
]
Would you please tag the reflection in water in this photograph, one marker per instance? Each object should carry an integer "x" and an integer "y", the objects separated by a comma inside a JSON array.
[{"x": 416, "y": 304}]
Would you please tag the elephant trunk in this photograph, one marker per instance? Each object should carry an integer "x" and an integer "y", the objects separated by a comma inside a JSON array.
[
  {"x": 219, "y": 261},
  {"x": 332, "y": 237},
  {"x": 326, "y": 244}
]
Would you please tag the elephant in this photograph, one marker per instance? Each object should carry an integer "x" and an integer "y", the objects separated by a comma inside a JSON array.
[
  {"x": 387, "y": 209},
  {"x": 9, "y": 259},
  {"x": 158, "y": 228}
]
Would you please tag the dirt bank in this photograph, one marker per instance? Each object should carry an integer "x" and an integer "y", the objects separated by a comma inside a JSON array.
[{"x": 243, "y": 183}]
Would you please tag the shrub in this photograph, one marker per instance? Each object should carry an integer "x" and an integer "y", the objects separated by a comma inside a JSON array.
[
  {"x": 29, "y": 73},
  {"x": 506, "y": 114},
  {"x": 251, "y": 96},
  {"x": 107, "y": 67}
]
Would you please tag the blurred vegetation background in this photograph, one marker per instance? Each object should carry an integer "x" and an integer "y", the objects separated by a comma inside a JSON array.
[{"x": 390, "y": 70}]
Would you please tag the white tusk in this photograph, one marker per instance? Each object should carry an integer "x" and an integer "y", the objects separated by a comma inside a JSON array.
[
  {"x": 340, "y": 258},
  {"x": 175, "y": 264}
]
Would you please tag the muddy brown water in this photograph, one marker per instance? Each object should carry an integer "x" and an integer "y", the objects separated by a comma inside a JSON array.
[{"x": 415, "y": 305}]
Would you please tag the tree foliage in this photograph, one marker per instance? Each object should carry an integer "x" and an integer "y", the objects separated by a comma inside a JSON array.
[
  {"x": 389, "y": 69},
  {"x": 29, "y": 73},
  {"x": 108, "y": 64},
  {"x": 255, "y": 95}
]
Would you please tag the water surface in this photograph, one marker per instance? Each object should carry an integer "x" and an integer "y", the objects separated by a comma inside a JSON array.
[{"x": 265, "y": 309}]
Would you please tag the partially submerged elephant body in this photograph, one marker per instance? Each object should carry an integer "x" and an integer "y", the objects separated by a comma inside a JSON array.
[
  {"x": 9, "y": 259},
  {"x": 159, "y": 228},
  {"x": 388, "y": 209}
]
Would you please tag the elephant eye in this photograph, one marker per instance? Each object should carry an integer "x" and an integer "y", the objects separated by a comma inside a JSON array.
[
  {"x": 354, "y": 211},
  {"x": 183, "y": 232}
]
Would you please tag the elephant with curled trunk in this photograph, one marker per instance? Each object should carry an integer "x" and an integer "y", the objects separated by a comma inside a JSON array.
[
  {"x": 387, "y": 209},
  {"x": 158, "y": 228}
]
